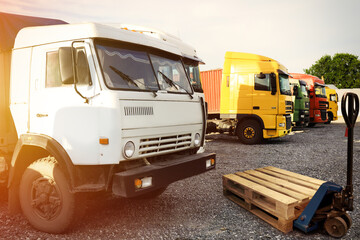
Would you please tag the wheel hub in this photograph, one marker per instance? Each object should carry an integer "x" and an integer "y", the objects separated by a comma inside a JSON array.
[
  {"x": 45, "y": 198},
  {"x": 249, "y": 132}
]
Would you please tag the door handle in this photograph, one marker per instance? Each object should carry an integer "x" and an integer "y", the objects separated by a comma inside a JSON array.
[{"x": 39, "y": 115}]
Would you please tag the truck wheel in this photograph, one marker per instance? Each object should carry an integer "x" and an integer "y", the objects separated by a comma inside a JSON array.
[
  {"x": 311, "y": 124},
  {"x": 45, "y": 197},
  {"x": 330, "y": 118},
  {"x": 249, "y": 132}
]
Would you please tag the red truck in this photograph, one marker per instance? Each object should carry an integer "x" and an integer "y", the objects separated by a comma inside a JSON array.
[{"x": 318, "y": 100}]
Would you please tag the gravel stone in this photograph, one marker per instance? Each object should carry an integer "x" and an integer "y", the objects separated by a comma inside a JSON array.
[{"x": 195, "y": 208}]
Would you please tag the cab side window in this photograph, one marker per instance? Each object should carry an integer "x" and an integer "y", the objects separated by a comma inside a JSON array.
[
  {"x": 262, "y": 82},
  {"x": 82, "y": 68},
  {"x": 82, "y": 71},
  {"x": 53, "y": 78}
]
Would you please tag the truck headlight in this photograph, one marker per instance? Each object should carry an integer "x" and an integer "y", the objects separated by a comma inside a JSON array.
[
  {"x": 129, "y": 149},
  {"x": 281, "y": 124},
  {"x": 197, "y": 140}
]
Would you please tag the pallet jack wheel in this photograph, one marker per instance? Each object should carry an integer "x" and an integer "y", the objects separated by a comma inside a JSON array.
[
  {"x": 336, "y": 227},
  {"x": 347, "y": 219}
]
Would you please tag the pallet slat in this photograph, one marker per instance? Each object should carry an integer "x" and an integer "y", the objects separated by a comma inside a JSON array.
[
  {"x": 296, "y": 175},
  {"x": 275, "y": 195},
  {"x": 284, "y": 183},
  {"x": 286, "y": 191},
  {"x": 289, "y": 178}
]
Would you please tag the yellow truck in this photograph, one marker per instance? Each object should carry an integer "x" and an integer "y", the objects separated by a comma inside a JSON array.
[
  {"x": 255, "y": 98},
  {"x": 332, "y": 97}
]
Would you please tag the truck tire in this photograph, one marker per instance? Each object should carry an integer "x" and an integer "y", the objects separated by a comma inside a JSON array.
[
  {"x": 249, "y": 132},
  {"x": 330, "y": 118},
  {"x": 45, "y": 197}
]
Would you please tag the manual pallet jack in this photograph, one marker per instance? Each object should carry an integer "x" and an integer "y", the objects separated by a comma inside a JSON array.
[{"x": 331, "y": 202}]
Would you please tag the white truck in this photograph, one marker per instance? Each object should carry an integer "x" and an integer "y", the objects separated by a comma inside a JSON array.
[{"x": 93, "y": 108}]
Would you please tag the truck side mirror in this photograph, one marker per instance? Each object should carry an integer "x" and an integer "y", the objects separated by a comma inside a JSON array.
[
  {"x": 260, "y": 76},
  {"x": 311, "y": 94},
  {"x": 66, "y": 65},
  {"x": 296, "y": 91},
  {"x": 273, "y": 83}
]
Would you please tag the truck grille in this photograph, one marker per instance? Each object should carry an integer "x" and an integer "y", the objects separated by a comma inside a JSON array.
[
  {"x": 138, "y": 111},
  {"x": 323, "y": 104},
  {"x": 163, "y": 144},
  {"x": 288, "y": 121},
  {"x": 288, "y": 106}
]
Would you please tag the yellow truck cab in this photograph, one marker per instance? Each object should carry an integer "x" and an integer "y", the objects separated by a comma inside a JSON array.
[
  {"x": 332, "y": 97},
  {"x": 255, "y": 97}
]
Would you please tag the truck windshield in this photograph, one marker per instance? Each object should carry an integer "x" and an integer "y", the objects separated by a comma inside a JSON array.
[
  {"x": 304, "y": 90},
  {"x": 170, "y": 74},
  {"x": 284, "y": 84},
  {"x": 192, "y": 69},
  {"x": 320, "y": 91},
  {"x": 129, "y": 67}
]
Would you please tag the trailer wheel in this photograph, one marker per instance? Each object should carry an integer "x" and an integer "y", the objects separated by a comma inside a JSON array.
[
  {"x": 336, "y": 227},
  {"x": 45, "y": 197},
  {"x": 249, "y": 132}
]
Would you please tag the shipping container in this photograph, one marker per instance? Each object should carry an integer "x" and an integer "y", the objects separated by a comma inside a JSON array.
[{"x": 211, "y": 83}]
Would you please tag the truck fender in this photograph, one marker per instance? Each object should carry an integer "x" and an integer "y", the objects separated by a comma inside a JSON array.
[
  {"x": 29, "y": 148},
  {"x": 242, "y": 117}
]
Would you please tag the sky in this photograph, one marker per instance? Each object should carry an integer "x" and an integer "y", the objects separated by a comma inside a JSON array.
[{"x": 295, "y": 33}]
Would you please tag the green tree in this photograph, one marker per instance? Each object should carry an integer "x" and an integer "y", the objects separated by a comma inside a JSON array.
[{"x": 342, "y": 70}]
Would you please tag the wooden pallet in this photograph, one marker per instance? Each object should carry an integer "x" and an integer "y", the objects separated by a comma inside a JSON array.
[{"x": 275, "y": 195}]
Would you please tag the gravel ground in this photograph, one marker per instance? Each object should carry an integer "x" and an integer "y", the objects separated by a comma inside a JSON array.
[{"x": 195, "y": 208}]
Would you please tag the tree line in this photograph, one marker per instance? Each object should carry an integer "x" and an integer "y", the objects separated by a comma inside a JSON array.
[{"x": 342, "y": 70}]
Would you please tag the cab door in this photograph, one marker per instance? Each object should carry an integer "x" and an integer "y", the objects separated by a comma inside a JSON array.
[
  {"x": 56, "y": 109},
  {"x": 265, "y": 99}
]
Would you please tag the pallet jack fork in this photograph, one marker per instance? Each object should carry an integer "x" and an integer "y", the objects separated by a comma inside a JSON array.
[{"x": 330, "y": 203}]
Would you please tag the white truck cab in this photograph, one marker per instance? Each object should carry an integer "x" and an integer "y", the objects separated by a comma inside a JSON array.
[{"x": 98, "y": 108}]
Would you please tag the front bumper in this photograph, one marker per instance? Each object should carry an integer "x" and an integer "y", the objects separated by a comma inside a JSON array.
[{"x": 162, "y": 174}]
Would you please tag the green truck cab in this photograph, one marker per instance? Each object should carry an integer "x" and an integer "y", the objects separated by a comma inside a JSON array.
[{"x": 301, "y": 101}]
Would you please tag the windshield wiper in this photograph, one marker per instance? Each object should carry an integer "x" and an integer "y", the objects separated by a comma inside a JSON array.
[
  {"x": 130, "y": 80},
  {"x": 172, "y": 83}
]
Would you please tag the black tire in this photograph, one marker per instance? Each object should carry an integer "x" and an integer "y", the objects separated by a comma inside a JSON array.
[
  {"x": 330, "y": 118},
  {"x": 249, "y": 132},
  {"x": 45, "y": 197}
]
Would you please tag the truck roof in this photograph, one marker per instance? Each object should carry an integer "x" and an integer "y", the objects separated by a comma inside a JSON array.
[
  {"x": 309, "y": 79},
  {"x": 187, "y": 50},
  {"x": 252, "y": 62},
  {"x": 32, "y": 36}
]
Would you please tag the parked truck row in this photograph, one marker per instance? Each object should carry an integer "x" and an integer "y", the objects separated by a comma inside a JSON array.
[
  {"x": 249, "y": 98},
  {"x": 255, "y": 98},
  {"x": 94, "y": 108}
]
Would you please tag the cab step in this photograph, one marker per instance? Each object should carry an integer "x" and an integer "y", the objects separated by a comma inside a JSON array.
[{"x": 275, "y": 195}]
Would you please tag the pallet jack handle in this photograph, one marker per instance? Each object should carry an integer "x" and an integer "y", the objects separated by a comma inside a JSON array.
[{"x": 350, "y": 116}]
